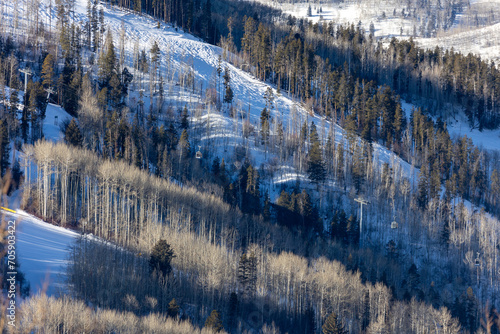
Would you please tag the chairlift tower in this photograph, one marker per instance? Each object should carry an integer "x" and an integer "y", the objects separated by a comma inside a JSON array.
[
  {"x": 49, "y": 91},
  {"x": 362, "y": 202},
  {"x": 26, "y": 71}
]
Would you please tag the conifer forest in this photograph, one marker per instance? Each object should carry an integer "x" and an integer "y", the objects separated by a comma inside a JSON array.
[{"x": 237, "y": 166}]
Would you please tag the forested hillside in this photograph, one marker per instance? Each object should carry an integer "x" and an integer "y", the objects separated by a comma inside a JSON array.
[{"x": 219, "y": 186}]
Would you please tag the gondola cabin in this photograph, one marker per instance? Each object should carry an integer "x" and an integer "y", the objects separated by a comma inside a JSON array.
[{"x": 199, "y": 155}]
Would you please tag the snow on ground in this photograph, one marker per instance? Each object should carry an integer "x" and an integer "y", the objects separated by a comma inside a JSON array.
[
  {"x": 43, "y": 247},
  {"x": 458, "y": 126},
  {"x": 42, "y": 252},
  {"x": 483, "y": 41},
  {"x": 480, "y": 41},
  {"x": 380, "y": 14},
  {"x": 54, "y": 116},
  {"x": 487, "y": 139}
]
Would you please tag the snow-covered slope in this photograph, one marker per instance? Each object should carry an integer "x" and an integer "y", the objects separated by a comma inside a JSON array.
[
  {"x": 389, "y": 22},
  {"x": 380, "y": 13},
  {"x": 42, "y": 251},
  {"x": 54, "y": 116},
  {"x": 481, "y": 41}
]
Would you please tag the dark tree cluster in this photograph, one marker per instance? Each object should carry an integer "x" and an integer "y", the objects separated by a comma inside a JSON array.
[{"x": 296, "y": 210}]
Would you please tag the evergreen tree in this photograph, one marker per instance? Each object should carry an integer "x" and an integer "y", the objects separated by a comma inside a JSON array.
[
  {"x": 264, "y": 126},
  {"x": 216, "y": 167},
  {"x": 310, "y": 322},
  {"x": 173, "y": 308},
  {"x": 247, "y": 274},
  {"x": 266, "y": 210},
  {"x": 335, "y": 226},
  {"x": 4, "y": 148},
  {"x": 184, "y": 146},
  {"x": 232, "y": 311},
  {"x": 107, "y": 62},
  {"x": 423, "y": 187},
  {"x": 352, "y": 230},
  {"x": 304, "y": 132},
  {"x": 309, "y": 213},
  {"x": 366, "y": 311},
  {"x": 283, "y": 204},
  {"x": 435, "y": 180},
  {"x": 214, "y": 322},
  {"x": 333, "y": 325},
  {"x": 161, "y": 256},
  {"x": 269, "y": 98},
  {"x": 471, "y": 310},
  {"x": 413, "y": 278},
  {"x": 207, "y": 21},
  {"x": 315, "y": 164},
  {"x": 13, "y": 123},
  {"x": 342, "y": 227},
  {"x": 185, "y": 118},
  {"x": 17, "y": 174},
  {"x": 73, "y": 135},
  {"x": 48, "y": 71},
  {"x": 228, "y": 96}
]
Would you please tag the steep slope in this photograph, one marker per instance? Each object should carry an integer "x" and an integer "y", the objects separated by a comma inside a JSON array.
[{"x": 43, "y": 253}]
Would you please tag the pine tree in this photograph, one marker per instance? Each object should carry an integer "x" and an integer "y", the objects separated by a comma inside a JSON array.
[
  {"x": 161, "y": 256},
  {"x": 173, "y": 309},
  {"x": 4, "y": 148},
  {"x": 309, "y": 212},
  {"x": 216, "y": 167},
  {"x": 471, "y": 310},
  {"x": 264, "y": 126},
  {"x": 247, "y": 274},
  {"x": 315, "y": 164},
  {"x": 335, "y": 226},
  {"x": 413, "y": 277},
  {"x": 266, "y": 210},
  {"x": 228, "y": 96},
  {"x": 214, "y": 322},
  {"x": 184, "y": 146},
  {"x": 283, "y": 204},
  {"x": 232, "y": 311},
  {"x": 435, "y": 180},
  {"x": 304, "y": 132},
  {"x": 73, "y": 135},
  {"x": 13, "y": 123},
  {"x": 423, "y": 187},
  {"x": 185, "y": 118},
  {"x": 310, "y": 323},
  {"x": 333, "y": 325},
  {"x": 48, "y": 71},
  {"x": 207, "y": 21},
  {"x": 107, "y": 62},
  {"x": 352, "y": 230}
]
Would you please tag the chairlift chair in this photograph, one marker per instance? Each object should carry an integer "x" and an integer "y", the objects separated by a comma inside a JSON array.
[
  {"x": 477, "y": 262},
  {"x": 198, "y": 153}
]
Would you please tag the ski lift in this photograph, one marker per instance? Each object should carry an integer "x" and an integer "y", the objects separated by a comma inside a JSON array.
[
  {"x": 394, "y": 224},
  {"x": 198, "y": 153},
  {"x": 477, "y": 262}
]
